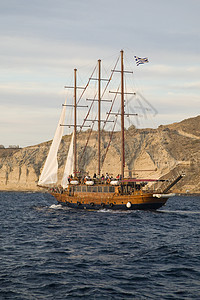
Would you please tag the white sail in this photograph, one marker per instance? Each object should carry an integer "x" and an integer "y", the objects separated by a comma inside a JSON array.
[
  {"x": 69, "y": 164},
  {"x": 50, "y": 170}
]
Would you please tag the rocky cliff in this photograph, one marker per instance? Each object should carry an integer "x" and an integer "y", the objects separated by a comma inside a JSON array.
[{"x": 150, "y": 153}]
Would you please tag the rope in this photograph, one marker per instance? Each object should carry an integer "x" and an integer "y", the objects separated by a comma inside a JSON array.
[
  {"x": 86, "y": 143},
  {"x": 86, "y": 85}
]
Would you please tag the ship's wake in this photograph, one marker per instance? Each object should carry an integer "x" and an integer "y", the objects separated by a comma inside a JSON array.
[
  {"x": 179, "y": 212},
  {"x": 56, "y": 206}
]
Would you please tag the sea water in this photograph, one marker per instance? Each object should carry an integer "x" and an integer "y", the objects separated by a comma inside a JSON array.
[{"x": 51, "y": 252}]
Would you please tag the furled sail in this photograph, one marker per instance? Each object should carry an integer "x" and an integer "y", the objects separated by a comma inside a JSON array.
[
  {"x": 69, "y": 164},
  {"x": 50, "y": 170}
]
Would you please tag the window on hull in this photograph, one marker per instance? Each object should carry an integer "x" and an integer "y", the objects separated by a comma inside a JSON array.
[{"x": 94, "y": 189}]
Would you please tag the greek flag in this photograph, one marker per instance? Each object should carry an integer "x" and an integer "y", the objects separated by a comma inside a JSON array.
[{"x": 140, "y": 60}]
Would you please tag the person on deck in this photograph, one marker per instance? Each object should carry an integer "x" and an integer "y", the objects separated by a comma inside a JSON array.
[
  {"x": 102, "y": 178},
  {"x": 107, "y": 176}
]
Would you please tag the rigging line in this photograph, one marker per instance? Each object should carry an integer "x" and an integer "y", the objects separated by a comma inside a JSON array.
[
  {"x": 109, "y": 80},
  {"x": 88, "y": 138},
  {"x": 142, "y": 107},
  {"x": 86, "y": 85},
  {"x": 111, "y": 107},
  {"x": 145, "y": 100},
  {"x": 96, "y": 93},
  {"x": 87, "y": 115},
  {"x": 92, "y": 105},
  {"x": 111, "y": 135}
]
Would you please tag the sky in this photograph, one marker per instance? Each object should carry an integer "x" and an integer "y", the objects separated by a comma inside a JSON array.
[{"x": 42, "y": 41}]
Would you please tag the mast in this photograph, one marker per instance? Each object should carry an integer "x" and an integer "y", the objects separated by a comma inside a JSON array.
[
  {"x": 122, "y": 112},
  {"x": 75, "y": 152},
  {"x": 99, "y": 120},
  {"x": 99, "y": 116},
  {"x": 75, "y": 106},
  {"x": 122, "y": 115}
]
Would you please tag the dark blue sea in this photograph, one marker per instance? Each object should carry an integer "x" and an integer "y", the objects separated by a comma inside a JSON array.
[{"x": 50, "y": 252}]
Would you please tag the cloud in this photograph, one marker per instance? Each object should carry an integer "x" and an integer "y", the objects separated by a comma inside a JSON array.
[
  {"x": 188, "y": 86},
  {"x": 43, "y": 41}
]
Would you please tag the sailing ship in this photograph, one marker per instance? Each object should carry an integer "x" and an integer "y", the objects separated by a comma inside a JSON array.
[{"x": 109, "y": 192}]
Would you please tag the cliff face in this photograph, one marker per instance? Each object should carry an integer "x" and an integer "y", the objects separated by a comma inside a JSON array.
[{"x": 149, "y": 153}]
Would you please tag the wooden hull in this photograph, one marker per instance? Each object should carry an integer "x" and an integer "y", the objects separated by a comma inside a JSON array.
[{"x": 96, "y": 201}]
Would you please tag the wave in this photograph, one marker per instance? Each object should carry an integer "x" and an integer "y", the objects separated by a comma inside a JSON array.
[
  {"x": 56, "y": 206},
  {"x": 180, "y": 212},
  {"x": 107, "y": 210}
]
